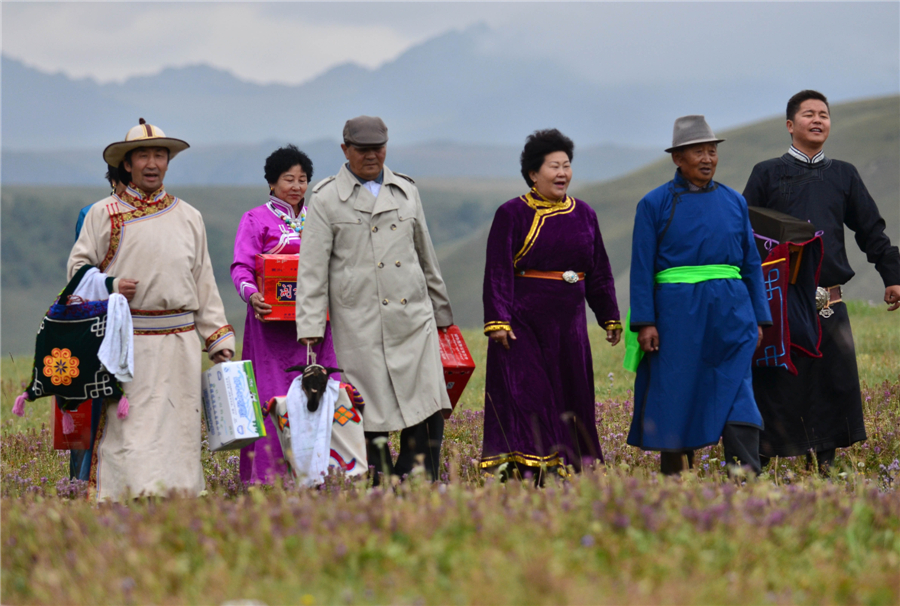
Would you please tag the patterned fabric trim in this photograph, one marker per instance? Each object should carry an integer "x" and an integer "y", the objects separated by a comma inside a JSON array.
[
  {"x": 244, "y": 294},
  {"x": 163, "y": 331},
  {"x": 162, "y": 321},
  {"x": 83, "y": 311},
  {"x": 152, "y": 313},
  {"x": 553, "y": 460},
  {"x": 612, "y": 325},
  {"x": 355, "y": 396},
  {"x": 129, "y": 209},
  {"x": 543, "y": 209},
  {"x": 222, "y": 333},
  {"x": 492, "y": 326}
]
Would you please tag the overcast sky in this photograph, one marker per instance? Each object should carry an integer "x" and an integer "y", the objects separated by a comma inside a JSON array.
[{"x": 614, "y": 42}]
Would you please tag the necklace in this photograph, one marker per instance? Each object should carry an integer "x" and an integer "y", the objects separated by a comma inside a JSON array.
[{"x": 295, "y": 224}]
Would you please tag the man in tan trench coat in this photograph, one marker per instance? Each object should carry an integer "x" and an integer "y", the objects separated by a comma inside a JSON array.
[{"x": 367, "y": 258}]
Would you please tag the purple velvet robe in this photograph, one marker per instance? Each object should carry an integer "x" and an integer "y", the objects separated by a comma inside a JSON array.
[
  {"x": 271, "y": 346},
  {"x": 539, "y": 395}
]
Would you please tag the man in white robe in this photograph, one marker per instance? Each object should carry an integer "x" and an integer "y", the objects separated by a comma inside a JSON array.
[{"x": 155, "y": 245}]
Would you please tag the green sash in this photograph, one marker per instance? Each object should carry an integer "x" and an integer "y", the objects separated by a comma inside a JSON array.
[{"x": 688, "y": 274}]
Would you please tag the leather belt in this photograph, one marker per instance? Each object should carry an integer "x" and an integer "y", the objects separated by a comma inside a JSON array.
[
  {"x": 826, "y": 297},
  {"x": 566, "y": 276}
]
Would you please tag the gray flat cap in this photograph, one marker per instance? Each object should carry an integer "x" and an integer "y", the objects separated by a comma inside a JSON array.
[
  {"x": 365, "y": 131},
  {"x": 690, "y": 130}
]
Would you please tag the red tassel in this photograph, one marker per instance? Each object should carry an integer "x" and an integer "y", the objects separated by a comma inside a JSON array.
[
  {"x": 68, "y": 423},
  {"x": 122, "y": 410},
  {"x": 19, "y": 406}
]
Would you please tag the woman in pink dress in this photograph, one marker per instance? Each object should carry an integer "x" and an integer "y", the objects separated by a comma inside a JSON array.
[{"x": 275, "y": 227}]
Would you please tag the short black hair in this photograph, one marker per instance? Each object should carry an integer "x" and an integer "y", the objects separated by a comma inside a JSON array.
[
  {"x": 538, "y": 145},
  {"x": 793, "y": 104},
  {"x": 113, "y": 176},
  {"x": 124, "y": 175},
  {"x": 284, "y": 159}
]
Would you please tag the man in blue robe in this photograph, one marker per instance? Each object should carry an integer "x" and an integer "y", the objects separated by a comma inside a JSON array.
[{"x": 697, "y": 305}]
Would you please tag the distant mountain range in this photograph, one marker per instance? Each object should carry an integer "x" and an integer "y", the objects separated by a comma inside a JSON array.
[
  {"x": 457, "y": 87},
  {"x": 242, "y": 164},
  {"x": 38, "y": 222},
  {"x": 865, "y": 133}
]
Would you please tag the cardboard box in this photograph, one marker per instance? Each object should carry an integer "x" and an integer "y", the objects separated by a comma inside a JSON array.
[
  {"x": 80, "y": 439},
  {"x": 276, "y": 279},
  {"x": 457, "y": 362},
  {"x": 231, "y": 406}
]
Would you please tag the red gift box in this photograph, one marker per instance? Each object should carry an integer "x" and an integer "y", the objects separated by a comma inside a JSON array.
[
  {"x": 80, "y": 439},
  {"x": 276, "y": 279},
  {"x": 457, "y": 362}
]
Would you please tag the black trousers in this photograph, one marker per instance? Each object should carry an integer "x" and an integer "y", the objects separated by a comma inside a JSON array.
[
  {"x": 825, "y": 459},
  {"x": 741, "y": 443},
  {"x": 423, "y": 439}
]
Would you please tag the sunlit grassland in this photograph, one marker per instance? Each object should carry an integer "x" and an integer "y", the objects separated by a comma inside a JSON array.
[{"x": 616, "y": 534}]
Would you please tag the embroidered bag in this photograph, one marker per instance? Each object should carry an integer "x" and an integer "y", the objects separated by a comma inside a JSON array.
[
  {"x": 792, "y": 255},
  {"x": 65, "y": 353}
]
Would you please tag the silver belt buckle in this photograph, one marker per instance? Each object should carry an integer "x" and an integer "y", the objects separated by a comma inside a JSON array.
[
  {"x": 823, "y": 301},
  {"x": 822, "y": 298},
  {"x": 570, "y": 276}
]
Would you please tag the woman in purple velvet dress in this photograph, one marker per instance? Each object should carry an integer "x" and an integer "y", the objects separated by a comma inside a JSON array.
[
  {"x": 276, "y": 227},
  {"x": 545, "y": 256}
]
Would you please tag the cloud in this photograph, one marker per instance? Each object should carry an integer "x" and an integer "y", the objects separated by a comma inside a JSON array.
[
  {"x": 605, "y": 42},
  {"x": 261, "y": 43}
]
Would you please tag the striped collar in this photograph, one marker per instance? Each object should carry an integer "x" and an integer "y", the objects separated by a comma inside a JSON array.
[
  {"x": 137, "y": 198},
  {"x": 277, "y": 204},
  {"x": 819, "y": 157}
]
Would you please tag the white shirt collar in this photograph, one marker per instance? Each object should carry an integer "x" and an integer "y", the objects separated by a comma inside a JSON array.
[{"x": 819, "y": 157}]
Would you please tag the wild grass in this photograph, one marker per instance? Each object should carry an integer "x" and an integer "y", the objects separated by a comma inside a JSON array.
[{"x": 618, "y": 533}]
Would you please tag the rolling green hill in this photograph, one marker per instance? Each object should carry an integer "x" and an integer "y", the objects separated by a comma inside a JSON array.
[
  {"x": 38, "y": 222},
  {"x": 38, "y": 230},
  {"x": 866, "y": 133}
]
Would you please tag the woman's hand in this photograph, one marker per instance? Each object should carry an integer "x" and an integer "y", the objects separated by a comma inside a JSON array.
[
  {"x": 222, "y": 356},
  {"x": 614, "y": 336},
  {"x": 260, "y": 307},
  {"x": 759, "y": 335},
  {"x": 128, "y": 288},
  {"x": 310, "y": 340},
  {"x": 502, "y": 337},
  {"x": 648, "y": 339}
]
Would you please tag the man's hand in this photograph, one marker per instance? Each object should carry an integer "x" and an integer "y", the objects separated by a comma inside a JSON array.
[
  {"x": 892, "y": 297},
  {"x": 614, "y": 336},
  {"x": 260, "y": 307},
  {"x": 648, "y": 339},
  {"x": 502, "y": 337},
  {"x": 310, "y": 340},
  {"x": 222, "y": 356},
  {"x": 128, "y": 288},
  {"x": 759, "y": 335}
]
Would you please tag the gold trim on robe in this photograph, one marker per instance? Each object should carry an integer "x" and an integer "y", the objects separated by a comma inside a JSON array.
[{"x": 543, "y": 209}]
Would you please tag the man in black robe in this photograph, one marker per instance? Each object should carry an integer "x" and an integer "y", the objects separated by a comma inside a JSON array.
[{"x": 820, "y": 409}]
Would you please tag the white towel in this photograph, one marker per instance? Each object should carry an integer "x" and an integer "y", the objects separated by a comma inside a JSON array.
[
  {"x": 117, "y": 349},
  {"x": 92, "y": 286},
  {"x": 311, "y": 432}
]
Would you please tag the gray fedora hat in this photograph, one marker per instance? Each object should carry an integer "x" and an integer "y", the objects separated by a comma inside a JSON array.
[{"x": 690, "y": 130}]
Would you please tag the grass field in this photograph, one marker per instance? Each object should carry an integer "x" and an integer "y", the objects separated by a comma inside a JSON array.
[{"x": 616, "y": 534}]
